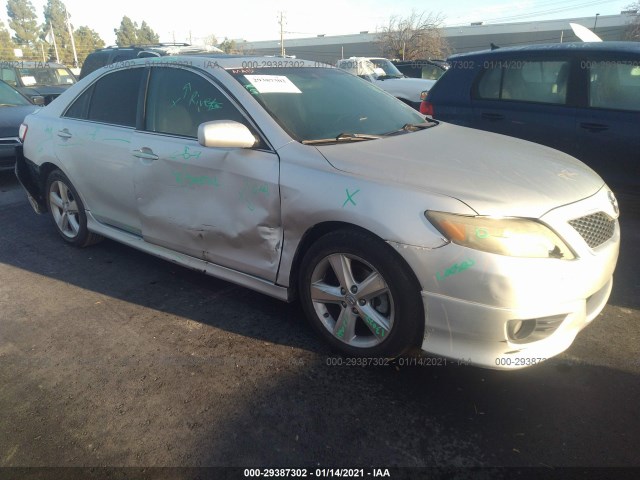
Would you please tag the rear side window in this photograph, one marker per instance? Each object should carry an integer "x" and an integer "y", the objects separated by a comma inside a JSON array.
[
  {"x": 527, "y": 81},
  {"x": 614, "y": 85},
  {"x": 115, "y": 98}
]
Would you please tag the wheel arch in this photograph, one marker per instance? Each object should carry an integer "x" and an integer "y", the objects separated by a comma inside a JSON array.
[
  {"x": 34, "y": 179},
  {"x": 321, "y": 229}
]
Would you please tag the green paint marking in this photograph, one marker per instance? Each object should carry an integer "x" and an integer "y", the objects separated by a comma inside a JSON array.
[
  {"x": 186, "y": 179},
  {"x": 250, "y": 190},
  {"x": 93, "y": 134},
  {"x": 455, "y": 268},
  {"x": 482, "y": 232},
  {"x": 186, "y": 154},
  {"x": 193, "y": 99},
  {"x": 350, "y": 197},
  {"x": 49, "y": 137},
  {"x": 251, "y": 89},
  {"x": 373, "y": 324}
]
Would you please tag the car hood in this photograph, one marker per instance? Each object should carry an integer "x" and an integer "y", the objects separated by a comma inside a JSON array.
[
  {"x": 493, "y": 174},
  {"x": 12, "y": 117}
]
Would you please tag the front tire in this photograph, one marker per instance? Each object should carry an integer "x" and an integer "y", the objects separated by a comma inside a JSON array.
[
  {"x": 360, "y": 296},
  {"x": 67, "y": 211}
]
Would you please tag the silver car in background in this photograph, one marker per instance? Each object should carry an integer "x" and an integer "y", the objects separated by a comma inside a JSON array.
[{"x": 303, "y": 181}]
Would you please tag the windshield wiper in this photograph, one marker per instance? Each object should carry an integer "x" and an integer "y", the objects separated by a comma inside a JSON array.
[
  {"x": 412, "y": 127},
  {"x": 343, "y": 137},
  {"x": 387, "y": 76}
]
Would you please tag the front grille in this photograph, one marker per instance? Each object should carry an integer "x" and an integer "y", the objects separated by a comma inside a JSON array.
[{"x": 596, "y": 228}]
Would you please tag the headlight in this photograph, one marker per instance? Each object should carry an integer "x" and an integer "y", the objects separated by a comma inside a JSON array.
[{"x": 512, "y": 237}]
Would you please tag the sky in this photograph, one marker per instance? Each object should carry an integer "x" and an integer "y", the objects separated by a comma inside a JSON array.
[{"x": 255, "y": 20}]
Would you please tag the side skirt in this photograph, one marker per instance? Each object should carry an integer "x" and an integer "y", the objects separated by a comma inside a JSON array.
[{"x": 137, "y": 242}]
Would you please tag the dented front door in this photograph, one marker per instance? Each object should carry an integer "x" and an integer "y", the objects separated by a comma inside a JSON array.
[{"x": 218, "y": 204}]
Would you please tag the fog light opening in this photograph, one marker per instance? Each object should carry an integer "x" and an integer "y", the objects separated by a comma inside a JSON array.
[{"x": 519, "y": 330}]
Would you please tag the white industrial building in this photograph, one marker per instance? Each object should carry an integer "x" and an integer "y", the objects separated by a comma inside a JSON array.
[{"x": 468, "y": 38}]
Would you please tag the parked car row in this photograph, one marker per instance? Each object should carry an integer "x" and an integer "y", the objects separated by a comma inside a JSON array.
[
  {"x": 384, "y": 74},
  {"x": 37, "y": 79},
  {"x": 306, "y": 182}
]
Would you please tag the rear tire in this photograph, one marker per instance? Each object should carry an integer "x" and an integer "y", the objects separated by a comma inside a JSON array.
[{"x": 67, "y": 211}]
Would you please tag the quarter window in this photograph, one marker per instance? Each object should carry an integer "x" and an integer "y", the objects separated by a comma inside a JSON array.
[
  {"x": 527, "y": 81},
  {"x": 80, "y": 106},
  {"x": 614, "y": 85},
  {"x": 180, "y": 100}
]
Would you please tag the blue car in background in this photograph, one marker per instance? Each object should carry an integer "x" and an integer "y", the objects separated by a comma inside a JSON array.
[{"x": 581, "y": 98}]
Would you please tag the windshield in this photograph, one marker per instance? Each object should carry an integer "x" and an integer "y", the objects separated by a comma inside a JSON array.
[
  {"x": 321, "y": 103},
  {"x": 389, "y": 68},
  {"x": 10, "y": 97},
  {"x": 46, "y": 76}
]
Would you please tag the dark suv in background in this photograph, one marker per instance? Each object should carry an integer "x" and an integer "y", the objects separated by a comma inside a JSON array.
[
  {"x": 108, "y": 55},
  {"x": 581, "y": 98}
]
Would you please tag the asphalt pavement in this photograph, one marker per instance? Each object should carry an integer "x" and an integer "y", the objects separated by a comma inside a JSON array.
[{"x": 111, "y": 357}]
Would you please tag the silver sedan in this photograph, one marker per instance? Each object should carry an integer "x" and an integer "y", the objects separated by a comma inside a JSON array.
[{"x": 301, "y": 181}]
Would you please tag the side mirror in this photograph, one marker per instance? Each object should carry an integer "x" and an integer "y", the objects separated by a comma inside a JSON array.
[
  {"x": 225, "y": 134},
  {"x": 37, "y": 100}
]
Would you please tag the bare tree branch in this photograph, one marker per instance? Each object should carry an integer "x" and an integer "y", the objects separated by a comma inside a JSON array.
[
  {"x": 418, "y": 36},
  {"x": 632, "y": 31}
]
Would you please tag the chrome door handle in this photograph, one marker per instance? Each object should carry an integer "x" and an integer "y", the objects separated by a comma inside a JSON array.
[
  {"x": 145, "y": 153},
  {"x": 64, "y": 133}
]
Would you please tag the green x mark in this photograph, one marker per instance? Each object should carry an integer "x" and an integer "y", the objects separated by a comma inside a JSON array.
[{"x": 350, "y": 197}]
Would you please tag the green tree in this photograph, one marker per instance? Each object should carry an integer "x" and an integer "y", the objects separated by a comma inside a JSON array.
[
  {"x": 23, "y": 21},
  {"x": 127, "y": 34},
  {"x": 146, "y": 35},
  {"x": 55, "y": 18},
  {"x": 87, "y": 40},
  {"x": 6, "y": 44}
]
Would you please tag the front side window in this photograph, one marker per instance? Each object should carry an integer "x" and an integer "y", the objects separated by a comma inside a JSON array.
[
  {"x": 115, "y": 98},
  {"x": 179, "y": 101},
  {"x": 389, "y": 69},
  {"x": 614, "y": 85},
  {"x": 524, "y": 80}
]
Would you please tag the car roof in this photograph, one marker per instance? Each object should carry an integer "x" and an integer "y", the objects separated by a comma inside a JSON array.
[
  {"x": 239, "y": 61},
  {"x": 583, "y": 47}
]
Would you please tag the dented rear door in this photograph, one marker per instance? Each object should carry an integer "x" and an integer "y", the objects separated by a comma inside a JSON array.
[{"x": 218, "y": 204}]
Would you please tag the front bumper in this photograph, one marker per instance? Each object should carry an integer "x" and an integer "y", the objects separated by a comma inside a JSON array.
[
  {"x": 504, "y": 312},
  {"x": 8, "y": 152}
]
